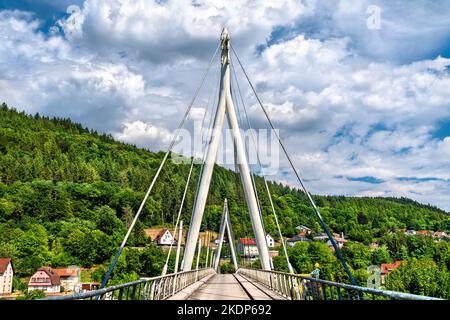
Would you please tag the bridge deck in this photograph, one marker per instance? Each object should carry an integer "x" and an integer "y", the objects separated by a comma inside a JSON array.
[{"x": 231, "y": 287}]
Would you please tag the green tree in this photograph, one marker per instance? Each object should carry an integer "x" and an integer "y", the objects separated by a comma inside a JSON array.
[
  {"x": 32, "y": 295},
  {"x": 357, "y": 254},
  {"x": 421, "y": 277},
  {"x": 152, "y": 259},
  {"x": 381, "y": 255}
]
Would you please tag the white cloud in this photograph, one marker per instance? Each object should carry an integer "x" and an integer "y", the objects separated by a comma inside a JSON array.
[
  {"x": 389, "y": 112},
  {"x": 345, "y": 109},
  {"x": 141, "y": 133},
  {"x": 170, "y": 30}
]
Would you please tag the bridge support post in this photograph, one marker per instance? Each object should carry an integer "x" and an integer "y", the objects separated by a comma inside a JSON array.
[
  {"x": 211, "y": 258},
  {"x": 221, "y": 235},
  {"x": 198, "y": 257},
  {"x": 231, "y": 243},
  {"x": 180, "y": 237},
  {"x": 226, "y": 106},
  {"x": 207, "y": 241}
]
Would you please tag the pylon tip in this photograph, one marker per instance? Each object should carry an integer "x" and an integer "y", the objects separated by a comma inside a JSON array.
[{"x": 225, "y": 32}]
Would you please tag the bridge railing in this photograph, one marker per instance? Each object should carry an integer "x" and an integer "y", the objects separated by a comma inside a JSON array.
[
  {"x": 155, "y": 288},
  {"x": 297, "y": 287}
]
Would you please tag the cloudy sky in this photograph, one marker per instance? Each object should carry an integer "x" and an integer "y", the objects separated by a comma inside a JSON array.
[{"x": 364, "y": 108}]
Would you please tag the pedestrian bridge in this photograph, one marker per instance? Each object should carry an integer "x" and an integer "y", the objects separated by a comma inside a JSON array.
[
  {"x": 244, "y": 284},
  {"x": 193, "y": 283}
]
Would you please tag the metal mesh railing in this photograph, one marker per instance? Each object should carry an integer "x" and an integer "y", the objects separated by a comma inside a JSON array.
[
  {"x": 156, "y": 288},
  {"x": 296, "y": 287}
]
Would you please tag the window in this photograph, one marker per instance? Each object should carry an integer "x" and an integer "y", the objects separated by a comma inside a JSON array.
[{"x": 39, "y": 279}]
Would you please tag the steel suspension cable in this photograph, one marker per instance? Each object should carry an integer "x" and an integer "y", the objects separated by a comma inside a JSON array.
[
  {"x": 116, "y": 257},
  {"x": 291, "y": 270},
  {"x": 184, "y": 196},
  {"x": 208, "y": 140},
  {"x": 316, "y": 210},
  {"x": 247, "y": 153},
  {"x": 210, "y": 127}
]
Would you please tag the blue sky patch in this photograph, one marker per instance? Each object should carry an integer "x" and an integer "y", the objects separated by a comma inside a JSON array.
[
  {"x": 368, "y": 179},
  {"x": 443, "y": 130},
  {"x": 48, "y": 11},
  {"x": 425, "y": 179}
]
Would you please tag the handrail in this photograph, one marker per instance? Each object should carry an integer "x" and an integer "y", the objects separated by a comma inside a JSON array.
[
  {"x": 297, "y": 287},
  {"x": 154, "y": 288}
]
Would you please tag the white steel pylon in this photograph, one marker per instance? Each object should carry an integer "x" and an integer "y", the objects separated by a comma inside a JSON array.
[
  {"x": 225, "y": 224},
  {"x": 225, "y": 107}
]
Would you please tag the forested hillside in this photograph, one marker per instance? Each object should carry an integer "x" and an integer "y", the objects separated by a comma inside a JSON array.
[{"x": 67, "y": 194}]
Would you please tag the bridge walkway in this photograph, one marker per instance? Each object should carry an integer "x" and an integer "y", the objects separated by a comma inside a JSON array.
[{"x": 232, "y": 287}]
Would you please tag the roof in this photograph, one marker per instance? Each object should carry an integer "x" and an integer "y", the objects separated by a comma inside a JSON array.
[
  {"x": 247, "y": 241},
  {"x": 4, "y": 262},
  {"x": 387, "y": 267},
  {"x": 338, "y": 240},
  {"x": 155, "y": 234},
  {"x": 66, "y": 272},
  {"x": 54, "y": 277},
  {"x": 299, "y": 237},
  {"x": 321, "y": 236},
  {"x": 161, "y": 233}
]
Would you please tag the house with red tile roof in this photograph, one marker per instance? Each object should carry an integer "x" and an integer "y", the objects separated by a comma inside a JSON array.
[
  {"x": 45, "y": 279},
  {"x": 424, "y": 233},
  {"x": 6, "y": 276},
  {"x": 247, "y": 248},
  {"x": 69, "y": 277},
  {"x": 387, "y": 268}
]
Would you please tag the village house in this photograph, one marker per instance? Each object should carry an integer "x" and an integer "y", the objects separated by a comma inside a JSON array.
[
  {"x": 6, "y": 276},
  {"x": 303, "y": 229},
  {"x": 439, "y": 235},
  {"x": 270, "y": 241},
  {"x": 320, "y": 236},
  {"x": 424, "y": 233},
  {"x": 410, "y": 232},
  {"x": 216, "y": 241},
  {"x": 247, "y": 248},
  {"x": 297, "y": 238},
  {"x": 89, "y": 286},
  {"x": 45, "y": 279},
  {"x": 387, "y": 268},
  {"x": 70, "y": 278},
  {"x": 373, "y": 246},
  {"x": 340, "y": 241},
  {"x": 273, "y": 253},
  {"x": 162, "y": 236}
]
